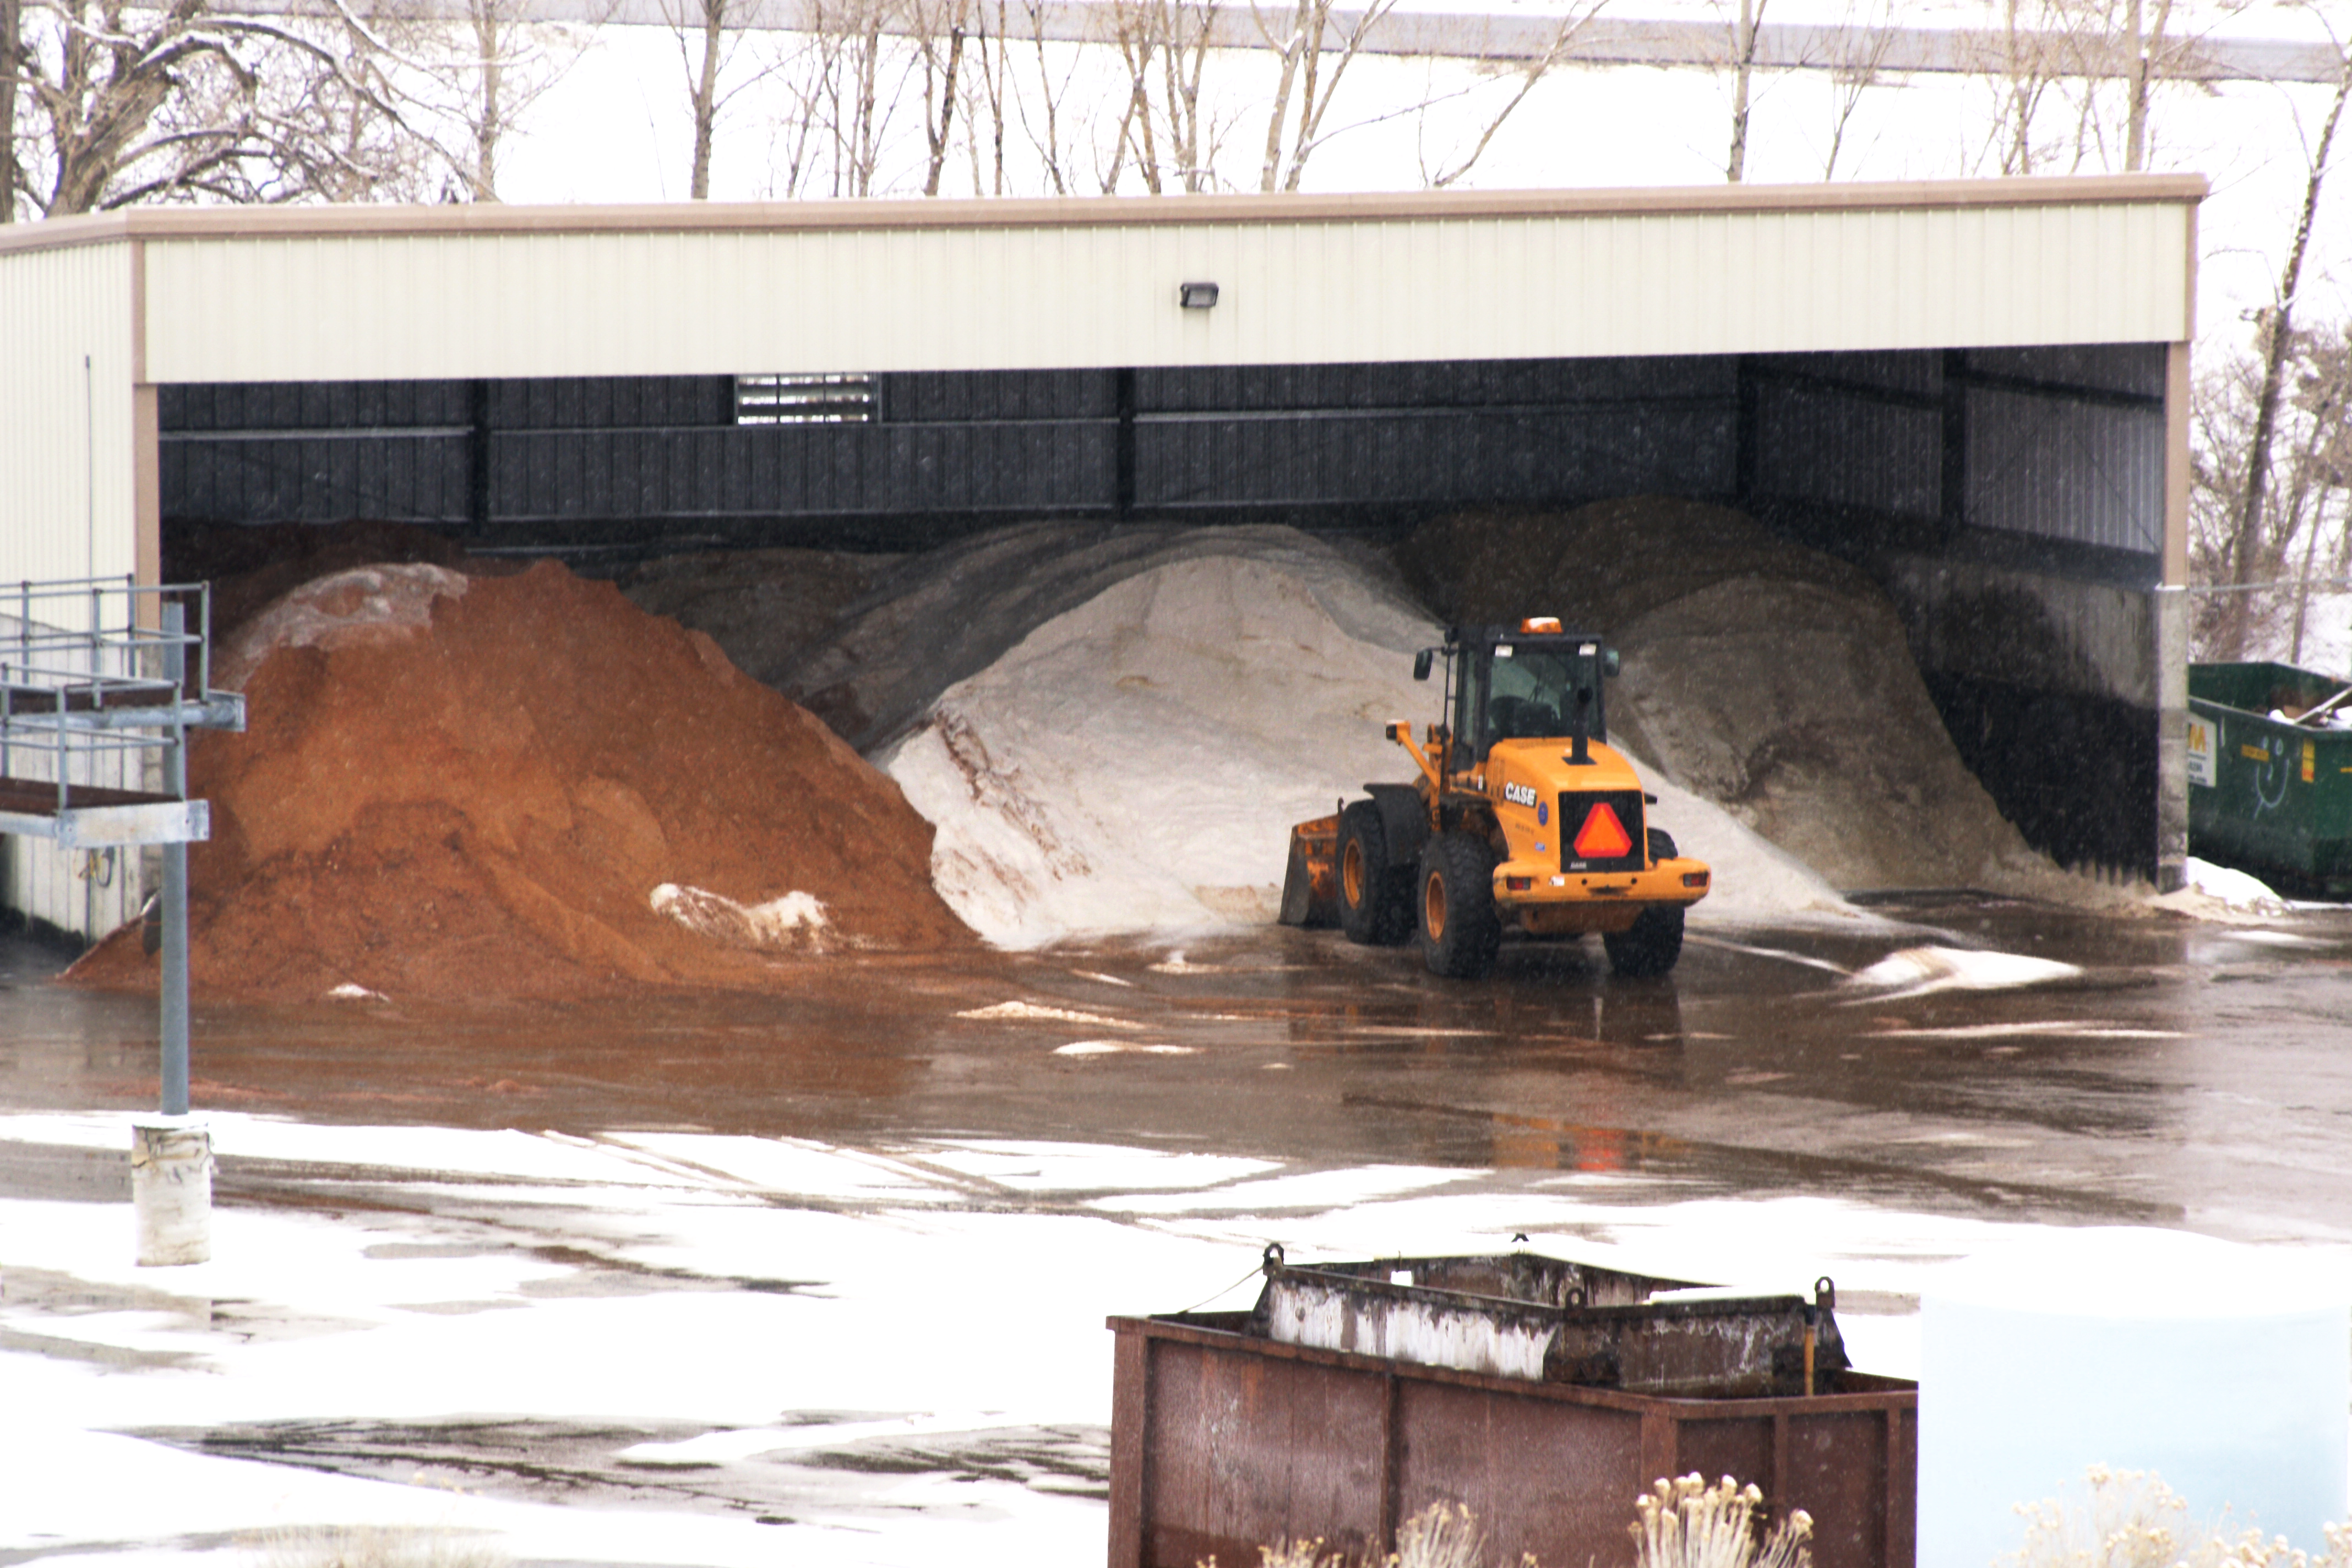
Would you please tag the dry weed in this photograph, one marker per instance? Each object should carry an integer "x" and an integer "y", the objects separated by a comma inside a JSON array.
[
  {"x": 2135, "y": 1520},
  {"x": 1300, "y": 1554},
  {"x": 1442, "y": 1535},
  {"x": 1689, "y": 1524},
  {"x": 377, "y": 1546}
]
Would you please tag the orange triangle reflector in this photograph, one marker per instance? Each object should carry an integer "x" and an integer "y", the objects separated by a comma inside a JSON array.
[{"x": 1603, "y": 836}]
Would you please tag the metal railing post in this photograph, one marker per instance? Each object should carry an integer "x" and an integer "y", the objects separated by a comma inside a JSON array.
[{"x": 175, "y": 890}]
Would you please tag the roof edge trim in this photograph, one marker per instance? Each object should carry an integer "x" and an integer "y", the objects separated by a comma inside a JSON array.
[{"x": 737, "y": 217}]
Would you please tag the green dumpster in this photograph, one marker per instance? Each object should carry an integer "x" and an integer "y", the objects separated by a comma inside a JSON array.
[{"x": 2267, "y": 794}]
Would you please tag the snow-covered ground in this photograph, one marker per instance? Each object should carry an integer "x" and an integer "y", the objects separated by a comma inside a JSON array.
[
  {"x": 741, "y": 1301},
  {"x": 956, "y": 1294}
]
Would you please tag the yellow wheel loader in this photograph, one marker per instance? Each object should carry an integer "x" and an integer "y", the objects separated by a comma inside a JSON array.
[{"x": 1522, "y": 817}]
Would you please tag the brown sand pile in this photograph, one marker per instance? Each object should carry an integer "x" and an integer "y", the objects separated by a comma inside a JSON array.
[
  {"x": 523, "y": 787},
  {"x": 1763, "y": 675}
]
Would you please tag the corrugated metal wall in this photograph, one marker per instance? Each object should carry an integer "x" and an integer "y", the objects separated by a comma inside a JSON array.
[
  {"x": 2060, "y": 443},
  {"x": 66, "y": 511},
  {"x": 2057, "y": 444},
  {"x": 65, "y": 414},
  {"x": 663, "y": 457},
  {"x": 1409, "y": 283}
]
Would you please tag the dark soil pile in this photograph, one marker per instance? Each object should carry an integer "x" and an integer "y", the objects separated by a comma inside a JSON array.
[
  {"x": 768, "y": 608},
  {"x": 524, "y": 787},
  {"x": 1766, "y": 676}
]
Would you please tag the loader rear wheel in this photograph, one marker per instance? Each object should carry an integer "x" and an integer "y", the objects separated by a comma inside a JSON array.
[
  {"x": 1661, "y": 846},
  {"x": 1375, "y": 898},
  {"x": 1650, "y": 946},
  {"x": 1459, "y": 930}
]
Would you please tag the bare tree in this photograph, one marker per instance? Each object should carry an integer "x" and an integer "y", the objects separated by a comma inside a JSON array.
[
  {"x": 2032, "y": 58},
  {"x": 2248, "y": 551},
  {"x": 2144, "y": 46},
  {"x": 2096, "y": 63},
  {"x": 1047, "y": 131},
  {"x": 1136, "y": 35},
  {"x": 1169, "y": 125},
  {"x": 990, "y": 91},
  {"x": 940, "y": 30},
  {"x": 465, "y": 83},
  {"x": 1300, "y": 39},
  {"x": 2305, "y": 539},
  {"x": 859, "y": 74},
  {"x": 2323, "y": 467},
  {"x": 179, "y": 102},
  {"x": 1196, "y": 129},
  {"x": 1743, "y": 67},
  {"x": 713, "y": 36},
  {"x": 1525, "y": 74},
  {"x": 11, "y": 64},
  {"x": 1861, "y": 46}
]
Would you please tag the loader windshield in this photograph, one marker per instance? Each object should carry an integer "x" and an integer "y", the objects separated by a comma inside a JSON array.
[{"x": 1518, "y": 690}]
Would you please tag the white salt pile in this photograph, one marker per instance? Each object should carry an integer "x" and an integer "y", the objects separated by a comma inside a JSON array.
[
  {"x": 1137, "y": 760},
  {"x": 941, "y": 617}
]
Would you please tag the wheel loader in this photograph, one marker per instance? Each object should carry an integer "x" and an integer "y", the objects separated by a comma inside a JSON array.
[{"x": 1521, "y": 818}]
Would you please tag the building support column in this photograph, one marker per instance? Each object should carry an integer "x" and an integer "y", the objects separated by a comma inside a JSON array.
[{"x": 2171, "y": 631}]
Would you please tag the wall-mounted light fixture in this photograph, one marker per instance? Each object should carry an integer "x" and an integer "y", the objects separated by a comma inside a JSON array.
[{"x": 1197, "y": 296}]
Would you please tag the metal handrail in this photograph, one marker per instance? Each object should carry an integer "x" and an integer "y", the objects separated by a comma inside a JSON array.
[{"x": 118, "y": 684}]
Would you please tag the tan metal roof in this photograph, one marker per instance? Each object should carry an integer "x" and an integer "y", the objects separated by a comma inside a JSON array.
[{"x": 735, "y": 217}]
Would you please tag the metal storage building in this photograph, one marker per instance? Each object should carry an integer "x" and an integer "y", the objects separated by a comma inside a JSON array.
[{"x": 1988, "y": 380}]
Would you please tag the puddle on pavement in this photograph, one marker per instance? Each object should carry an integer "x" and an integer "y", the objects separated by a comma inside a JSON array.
[{"x": 1758, "y": 1067}]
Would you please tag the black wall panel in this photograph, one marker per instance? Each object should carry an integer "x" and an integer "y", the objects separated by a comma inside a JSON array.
[{"x": 2051, "y": 443}]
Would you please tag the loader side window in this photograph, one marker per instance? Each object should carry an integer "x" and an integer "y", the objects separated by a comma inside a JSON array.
[{"x": 1470, "y": 709}]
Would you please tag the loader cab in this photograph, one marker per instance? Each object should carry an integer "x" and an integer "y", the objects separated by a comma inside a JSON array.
[{"x": 1532, "y": 681}]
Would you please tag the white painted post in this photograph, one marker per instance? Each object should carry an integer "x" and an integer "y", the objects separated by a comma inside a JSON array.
[
  {"x": 171, "y": 1190},
  {"x": 171, "y": 1155}
]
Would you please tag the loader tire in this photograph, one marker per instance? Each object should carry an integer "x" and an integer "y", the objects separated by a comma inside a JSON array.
[
  {"x": 1375, "y": 898},
  {"x": 1661, "y": 846},
  {"x": 1650, "y": 946},
  {"x": 1459, "y": 929}
]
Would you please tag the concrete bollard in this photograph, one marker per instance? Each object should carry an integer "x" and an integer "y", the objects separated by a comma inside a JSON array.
[{"x": 171, "y": 1190}]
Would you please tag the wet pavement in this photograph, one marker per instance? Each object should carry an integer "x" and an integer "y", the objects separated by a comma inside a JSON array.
[
  {"x": 611, "y": 1319},
  {"x": 2193, "y": 1074}
]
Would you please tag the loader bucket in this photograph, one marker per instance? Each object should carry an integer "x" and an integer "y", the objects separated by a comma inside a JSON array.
[{"x": 1310, "y": 886}]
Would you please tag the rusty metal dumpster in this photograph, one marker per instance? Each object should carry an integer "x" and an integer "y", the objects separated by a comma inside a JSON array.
[{"x": 1224, "y": 1437}]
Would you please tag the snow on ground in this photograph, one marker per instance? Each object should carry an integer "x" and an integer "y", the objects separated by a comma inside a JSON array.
[
  {"x": 1137, "y": 762},
  {"x": 737, "y": 1301},
  {"x": 2237, "y": 890},
  {"x": 380, "y": 1315},
  {"x": 2218, "y": 893},
  {"x": 1917, "y": 971}
]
